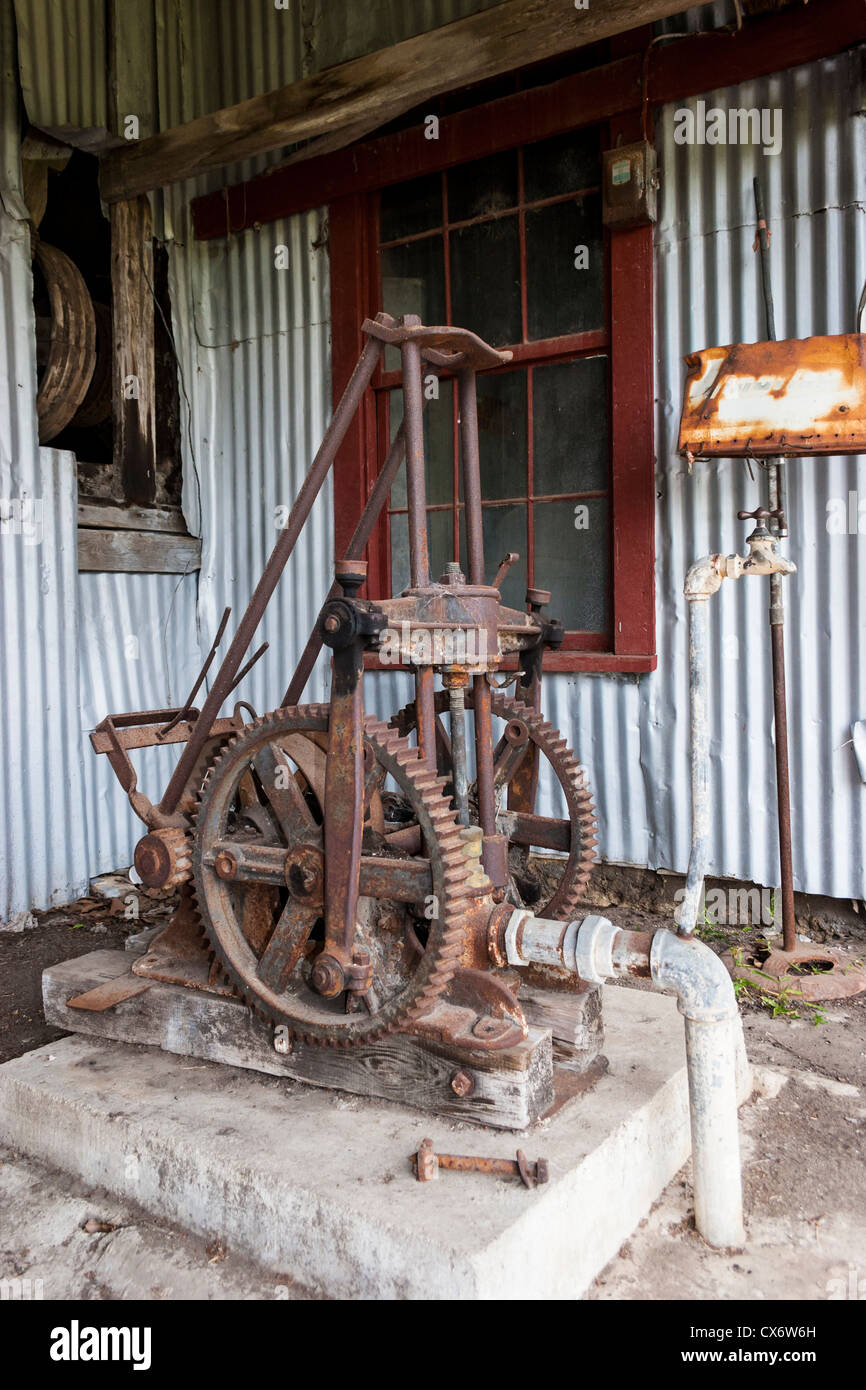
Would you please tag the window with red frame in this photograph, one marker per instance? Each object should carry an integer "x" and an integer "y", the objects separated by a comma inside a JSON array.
[{"x": 512, "y": 246}]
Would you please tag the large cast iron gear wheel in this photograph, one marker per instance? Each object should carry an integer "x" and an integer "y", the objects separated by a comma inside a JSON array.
[
  {"x": 578, "y": 799},
  {"x": 281, "y": 849}
]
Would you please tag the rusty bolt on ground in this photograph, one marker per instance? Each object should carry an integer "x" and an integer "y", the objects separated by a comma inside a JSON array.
[{"x": 427, "y": 1164}]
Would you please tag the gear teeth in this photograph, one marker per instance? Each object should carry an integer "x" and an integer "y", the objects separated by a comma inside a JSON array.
[
  {"x": 572, "y": 779},
  {"x": 450, "y": 873}
]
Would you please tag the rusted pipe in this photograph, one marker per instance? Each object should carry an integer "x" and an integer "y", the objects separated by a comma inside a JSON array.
[{"x": 471, "y": 476}]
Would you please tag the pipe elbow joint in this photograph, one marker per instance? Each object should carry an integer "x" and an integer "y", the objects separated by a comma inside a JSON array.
[
  {"x": 704, "y": 989},
  {"x": 704, "y": 578}
]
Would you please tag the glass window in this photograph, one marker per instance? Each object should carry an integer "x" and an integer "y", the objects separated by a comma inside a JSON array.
[{"x": 512, "y": 246}]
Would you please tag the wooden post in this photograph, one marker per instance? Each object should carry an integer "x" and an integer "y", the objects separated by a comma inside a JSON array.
[{"x": 133, "y": 382}]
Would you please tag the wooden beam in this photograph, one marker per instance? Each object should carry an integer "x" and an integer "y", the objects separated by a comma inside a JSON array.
[
  {"x": 133, "y": 370},
  {"x": 675, "y": 70},
  {"x": 381, "y": 84},
  {"x": 112, "y": 518},
  {"x": 136, "y": 552}
]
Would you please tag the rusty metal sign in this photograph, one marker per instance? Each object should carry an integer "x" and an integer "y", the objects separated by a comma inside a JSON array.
[{"x": 797, "y": 396}]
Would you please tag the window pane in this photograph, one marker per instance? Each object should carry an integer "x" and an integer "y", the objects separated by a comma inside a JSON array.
[
  {"x": 561, "y": 297},
  {"x": 440, "y": 541},
  {"x": 484, "y": 186},
  {"x": 564, "y": 164},
  {"x": 570, "y": 426},
  {"x": 440, "y": 546},
  {"x": 399, "y": 553},
  {"x": 438, "y": 447},
  {"x": 572, "y": 559},
  {"x": 485, "y": 280},
  {"x": 504, "y": 530},
  {"x": 410, "y": 207},
  {"x": 502, "y": 435},
  {"x": 413, "y": 282}
]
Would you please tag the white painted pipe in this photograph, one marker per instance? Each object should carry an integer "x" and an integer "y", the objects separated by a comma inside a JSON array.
[{"x": 597, "y": 950}]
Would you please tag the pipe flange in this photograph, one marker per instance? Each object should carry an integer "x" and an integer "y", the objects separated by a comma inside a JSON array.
[
  {"x": 593, "y": 950},
  {"x": 512, "y": 936}
]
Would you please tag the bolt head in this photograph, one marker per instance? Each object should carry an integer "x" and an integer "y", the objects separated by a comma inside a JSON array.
[
  {"x": 326, "y": 977},
  {"x": 225, "y": 864},
  {"x": 332, "y": 623},
  {"x": 462, "y": 1084}
]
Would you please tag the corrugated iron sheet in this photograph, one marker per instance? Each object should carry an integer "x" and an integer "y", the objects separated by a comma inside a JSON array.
[
  {"x": 138, "y": 650},
  {"x": 63, "y": 63},
  {"x": 708, "y": 292},
  {"x": 253, "y": 345},
  {"x": 260, "y": 406},
  {"x": 256, "y": 346}
]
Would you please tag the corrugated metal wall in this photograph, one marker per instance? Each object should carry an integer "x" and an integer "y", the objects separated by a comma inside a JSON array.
[
  {"x": 261, "y": 407},
  {"x": 41, "y": 854},
  {"x": 253, "y": 346},
  {"x": 140, "y": 652},
  {"x": 708, "y": 292},
  {"x": 63, "y": 64}
]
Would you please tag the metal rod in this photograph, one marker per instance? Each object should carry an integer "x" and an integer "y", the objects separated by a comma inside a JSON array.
[
  {"x": 484, "y": 755},
  {"x": 471, "y": 476},
  {"x": 354, "y": 551},
  {"x": 310, "y": 488},
  {"x": 458, "y": 752},
  {"x": 776, "y": 476},
  {"x": 777, "y": 503},
  {"x": 416, "y": 490},
  {"x": 425, "y": 703}
]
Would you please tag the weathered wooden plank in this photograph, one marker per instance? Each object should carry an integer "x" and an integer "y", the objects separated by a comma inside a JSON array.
[
  {"x": 574, "y": 1019},
  {"x": 147, "y": 552},
  {"x": 132, "y": 518},
  {"x": 381, "y": 85},
  {"x": 511, "y": 1091},
  {"x": 133, "y": 379}
]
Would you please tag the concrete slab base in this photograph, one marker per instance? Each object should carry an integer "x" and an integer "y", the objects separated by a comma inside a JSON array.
[{"x": 318, "y": 1185}]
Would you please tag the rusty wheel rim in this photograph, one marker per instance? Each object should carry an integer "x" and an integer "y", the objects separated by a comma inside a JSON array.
[{"x": 306, "y": 1014}]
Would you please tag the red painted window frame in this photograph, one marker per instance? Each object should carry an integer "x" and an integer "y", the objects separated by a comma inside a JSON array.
[
  {"x": 636, "y": 78},
  {"x": 354, "y": 277}
]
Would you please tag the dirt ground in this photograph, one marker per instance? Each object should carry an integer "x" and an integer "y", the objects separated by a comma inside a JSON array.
[
  {"x": 803, "y": 1134},
  {"x": 97, "y": 923}
]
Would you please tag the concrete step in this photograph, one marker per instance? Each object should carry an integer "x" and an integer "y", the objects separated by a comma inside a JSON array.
[{"x": 319, "y": 1184}]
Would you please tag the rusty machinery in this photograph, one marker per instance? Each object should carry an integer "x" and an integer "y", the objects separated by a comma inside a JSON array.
[{"x": 344, "y": 874}]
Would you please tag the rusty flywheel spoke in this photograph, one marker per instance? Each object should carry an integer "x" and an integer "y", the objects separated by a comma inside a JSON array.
[
  {"x": 269, "y": 951},
  {"x": 277, "y": 778},
  {"x": 286, "y": 946}
]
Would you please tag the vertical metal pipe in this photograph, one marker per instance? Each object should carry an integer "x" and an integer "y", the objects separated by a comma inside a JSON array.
[
  {"x": 458, "y": 753},
  {"x": 783, "y": 784},
  {"x": 687, "y": 913},
  {"x": 416, "y": 494},
  {"x": 416, "y": 490},
  {"x": 779, "y": 524},
  {"x": 484, "y": 755},
  {"x": 471, "y": 477},
  {"x": 425, "y": 703}
]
